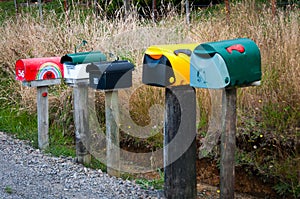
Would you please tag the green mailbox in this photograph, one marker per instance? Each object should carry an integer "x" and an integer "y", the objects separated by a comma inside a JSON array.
[
  {"x": 226, "y": 63},
  {"x": 83, "y": 57},
  {"x": 75, "y": 64}
]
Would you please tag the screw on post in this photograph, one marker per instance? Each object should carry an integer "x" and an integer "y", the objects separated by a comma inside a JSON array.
[{"x": 83, "y": 43}]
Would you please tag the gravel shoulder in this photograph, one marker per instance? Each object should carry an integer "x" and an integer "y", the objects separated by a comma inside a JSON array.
[{"x": 26, "y": 172}]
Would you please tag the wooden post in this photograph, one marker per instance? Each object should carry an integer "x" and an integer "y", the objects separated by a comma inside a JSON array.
[
  {"x": 40, "y": 10},
  {"x": 126, "y": 7},
  {"x": 187, "y": 10},
  {"x": 227, "y": 8},
  {"x": 16, "y": 6},
  {"x": 273, "y": 2},
  {"x": 154, "y": 10},
  {"x": 80, "y": 97},
  {"x": 227, "y": 173},
  {"x": 42, "y": 111},
  {"x": 180, "y": 143},
  {"x": 112, "y": 133}
]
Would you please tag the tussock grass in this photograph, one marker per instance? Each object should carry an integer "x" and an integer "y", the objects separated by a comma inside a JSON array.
[{"x": 277, "y": 38}]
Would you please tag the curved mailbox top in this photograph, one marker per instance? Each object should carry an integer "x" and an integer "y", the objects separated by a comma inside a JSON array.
[
  {"x": 167, "y": 65},
  {"x": 226, "y": 63},
  {"x": 83, "y": 57},
  {"x": 35, "y": 69},
  {"x": 109, "y": 67}
]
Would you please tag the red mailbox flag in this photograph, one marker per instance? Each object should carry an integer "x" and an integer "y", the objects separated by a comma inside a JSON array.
[{"x": 39, "y": 69}]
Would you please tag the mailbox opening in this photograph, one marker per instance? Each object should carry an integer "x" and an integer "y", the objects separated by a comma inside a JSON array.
[{"x": 110, "y": 75}]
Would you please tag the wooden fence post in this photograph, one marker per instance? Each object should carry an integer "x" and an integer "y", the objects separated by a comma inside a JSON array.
[
  {"x": 180, "y": 143},
  {"x": 80, "y": 97},
  {"x": 112, "y": 133},
  {"x": 43, "y": 121},
  {"x": 227, "y": 173},
  {"x": 40, "y": 10}
]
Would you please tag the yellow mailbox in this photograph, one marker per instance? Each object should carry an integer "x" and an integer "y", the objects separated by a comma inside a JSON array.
[{"x": 167, "y": 65}]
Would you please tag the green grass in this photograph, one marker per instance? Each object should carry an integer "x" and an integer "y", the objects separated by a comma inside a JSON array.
[
  {"x": 155, "y": 183},
  {"x": 8, "y": 190},
  {"x": 19, "y": 123}
]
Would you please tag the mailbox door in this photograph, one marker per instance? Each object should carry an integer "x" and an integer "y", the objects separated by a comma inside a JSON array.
[
  {"x": 167, "y": 65},
  {"x": 157, "y": 72},
  {"x": 209, "y": 72},
  {"x": 110, "y": 75},
  {"x": 75, "y": 71}
]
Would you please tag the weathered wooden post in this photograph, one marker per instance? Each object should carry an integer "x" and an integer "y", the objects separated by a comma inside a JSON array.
[
  {"x": 43, "y": 116},
  {"x": 75, "y": 75},
  {"x": 40, "y": 73},
  {"x": 168, "y": 66},
  {"x": 227, "y": 163},
  {"x": 112, "y": 133},
  {"x": 187, "y": 11},
  {"x": 180, "y": 143},
  {"x": 16, "y": 6},
  {"x": 40, "y": 10},
  {"x": 111, "y": 76},
  {"x": 227, "y": 9},
  {"x": 80, "y": 97},
  {"x": 226, "y": 65}
]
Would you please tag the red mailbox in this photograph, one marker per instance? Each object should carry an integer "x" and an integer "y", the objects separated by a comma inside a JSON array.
[{"x": 36, "y": 69}]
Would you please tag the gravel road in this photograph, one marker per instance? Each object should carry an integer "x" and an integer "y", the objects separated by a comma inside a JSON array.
[{"x": 26, "y": 172}]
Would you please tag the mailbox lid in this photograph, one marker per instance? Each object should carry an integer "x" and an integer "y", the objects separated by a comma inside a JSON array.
[
  {"x": 109, "y": 67},
  {"x": 84, "y": 57},
  {"x": 110, "y": 75},
  {"x": 209, "y": 72},
  {"x": 35, "y": 69},
  {"x": 242, "y": 58},
  {"x": 166, "y": 65}
]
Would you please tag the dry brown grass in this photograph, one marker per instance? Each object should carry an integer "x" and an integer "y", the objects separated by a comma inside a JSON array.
[{"x": 277, "y": 38}]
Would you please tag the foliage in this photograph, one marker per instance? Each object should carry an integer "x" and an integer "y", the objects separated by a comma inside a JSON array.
[{"x": 155, "y": 183}]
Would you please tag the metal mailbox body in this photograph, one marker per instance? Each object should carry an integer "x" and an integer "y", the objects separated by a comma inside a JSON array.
[
  {"x": 75, "y": 64},
  {"x": 226, "y": 63},
  {"x": 167, "y": 65},
  {"x": 36, "y": 69},
  {"x": 110, "y": 75}
]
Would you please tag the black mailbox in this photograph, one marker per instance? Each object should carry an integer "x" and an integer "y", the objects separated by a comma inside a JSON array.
[{"x": 110, "y": 75}]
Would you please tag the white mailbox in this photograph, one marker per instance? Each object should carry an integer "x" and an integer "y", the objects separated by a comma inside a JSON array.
[{"x": 75, "y": 72}]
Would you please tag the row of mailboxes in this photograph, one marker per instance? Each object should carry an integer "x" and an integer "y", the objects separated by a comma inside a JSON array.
[
  {"x": 90, "y": 66},
  {"x": 209, "y": 65}
]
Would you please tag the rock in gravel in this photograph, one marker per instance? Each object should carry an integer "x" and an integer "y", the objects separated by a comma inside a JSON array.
[{"x": 26, "y": 172}]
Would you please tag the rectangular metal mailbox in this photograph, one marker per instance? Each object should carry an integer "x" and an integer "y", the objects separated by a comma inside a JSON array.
[
  {"x": 225, "y": 64},
  {"x": 75, "y": 64},
  {"x": 110, "y": 75},
  {"x": 167, "y": 65},
  {"x": 39, "y": 69}
]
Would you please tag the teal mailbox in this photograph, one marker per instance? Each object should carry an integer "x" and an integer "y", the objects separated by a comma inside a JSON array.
[{"x": 228, "y": 63}]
